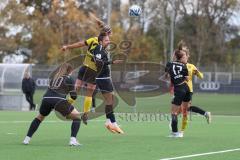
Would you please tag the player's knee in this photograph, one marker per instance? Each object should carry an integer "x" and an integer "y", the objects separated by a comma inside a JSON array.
[
  {"x": 108, "y": 98},
  {"x": 108, "y": 109},
  {"x": 40, "y": 117}
]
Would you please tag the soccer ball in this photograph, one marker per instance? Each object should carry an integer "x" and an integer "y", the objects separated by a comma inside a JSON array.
[{"x": 135, "y": 11}]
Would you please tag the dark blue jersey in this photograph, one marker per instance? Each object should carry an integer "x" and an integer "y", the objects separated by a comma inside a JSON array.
[
  {"x": 102, "y": 61},
  {"x": 177, "y": 71}
]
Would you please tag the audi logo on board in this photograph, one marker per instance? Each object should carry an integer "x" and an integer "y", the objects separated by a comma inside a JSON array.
[
  {"x": 209, "y": 86},
  {"x": 42, "y": 82}
]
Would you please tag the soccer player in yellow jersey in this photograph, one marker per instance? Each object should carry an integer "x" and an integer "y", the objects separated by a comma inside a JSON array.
[{"x": 192, "y": 71}]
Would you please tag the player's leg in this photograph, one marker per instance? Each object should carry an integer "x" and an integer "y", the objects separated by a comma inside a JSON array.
[
  {"x": 33, "y": 128},
  {"x": 106, "y": 87},
  {"x": 44, "y": 111},
  {"x": 185, "y": 105},
  {"x": 184, "y": 108},
  {"x": 111, "y": 122},
  {"x": 88, "y": 101},
  {"x": 198, "y": 110},
  {"x": 78, "y": 84},
  {"x": 101, "y": 85},
  {"x": 174, "y": 120},
  {"x": 76, "y": 122},
  {"x": 66, "y": 110},
  {"x": 88, "y": 98},
  {"x": 87, "y": 75},
  {"x": 179, "y": 94},
  {"x": 94, "y": 100}
]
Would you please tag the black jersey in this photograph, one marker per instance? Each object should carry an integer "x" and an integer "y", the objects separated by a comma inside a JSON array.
[
  {"x": 177, "y": 71},
  {"x": 60, "y": 87},
  {"x": 102, "y": 61}
]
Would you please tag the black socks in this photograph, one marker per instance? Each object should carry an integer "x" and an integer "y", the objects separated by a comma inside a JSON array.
[
  {"x": 109, "y": 113},
  {"x": 196, "y": 110},
  {"x": 33, "y": 127},
  {"x": 75, "y": 127},
  {"x": 174, "y": 123}
]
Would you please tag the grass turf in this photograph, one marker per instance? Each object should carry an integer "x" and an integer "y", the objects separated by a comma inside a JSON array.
[{"x": 143, "y": 140}]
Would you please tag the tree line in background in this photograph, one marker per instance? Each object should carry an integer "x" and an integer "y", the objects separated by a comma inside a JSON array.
[{"x": 44, "y": 26}]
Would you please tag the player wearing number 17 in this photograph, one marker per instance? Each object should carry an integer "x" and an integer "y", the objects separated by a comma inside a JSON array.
[{"x": 178, "y": 72}]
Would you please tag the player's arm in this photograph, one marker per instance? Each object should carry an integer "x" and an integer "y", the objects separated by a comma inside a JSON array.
[
  {"x": 74, "y": 45},
  {"x": 198, "y": 73},
  {"x": 166, "y": 74},
  {"x": 117, "y": 61},
  {"x": 97, "y": 20},
  {"x": 72, "y": 91}
]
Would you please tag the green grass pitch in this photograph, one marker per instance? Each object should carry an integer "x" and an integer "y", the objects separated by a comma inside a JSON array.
[{"x": 143, "y": 140}]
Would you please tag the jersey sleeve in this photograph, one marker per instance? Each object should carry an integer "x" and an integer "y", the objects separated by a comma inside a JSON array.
[
  {"x": 197, "y": 72},
  {"x": 89, "y": 41},
  {"x": 70, "y": 83},
  {"x": 93, "y": 40}
]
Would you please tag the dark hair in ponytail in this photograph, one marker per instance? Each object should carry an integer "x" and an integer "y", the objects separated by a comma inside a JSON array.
[{"x": 101, "y": 36}]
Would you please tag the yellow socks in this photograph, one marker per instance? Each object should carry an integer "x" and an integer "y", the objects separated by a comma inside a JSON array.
[
  {"x": 184, "y": 123},
  {"x": 87, "y": 104}
]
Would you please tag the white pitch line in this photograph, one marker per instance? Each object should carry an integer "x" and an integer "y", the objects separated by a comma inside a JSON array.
[
  {"x": 202, "y": 154},
  {"x": 10, "y": 133}
]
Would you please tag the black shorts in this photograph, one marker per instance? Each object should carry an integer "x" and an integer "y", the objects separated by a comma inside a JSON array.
[
  {"x": 181, "y": 94},
  {"x": 105, "y": 85},
  {"x": 87, "y": 75},
  {"x": 59, "y": 104}
]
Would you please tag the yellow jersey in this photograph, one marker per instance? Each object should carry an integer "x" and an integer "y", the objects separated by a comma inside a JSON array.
[
  {"x": 192, "y": 70},
  {"x": 89, "y": 61}
]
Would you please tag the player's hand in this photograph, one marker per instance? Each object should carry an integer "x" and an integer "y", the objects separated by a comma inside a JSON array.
[
  {"x": 64, "y": 48},
  {"x": 117, "y": 61}
]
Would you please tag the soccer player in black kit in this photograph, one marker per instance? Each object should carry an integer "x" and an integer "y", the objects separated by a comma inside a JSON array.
[
  {"x": 104, "y": 82},
  {"x": 178, "y": 72},
  {"x": 61, "y": 84}
]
